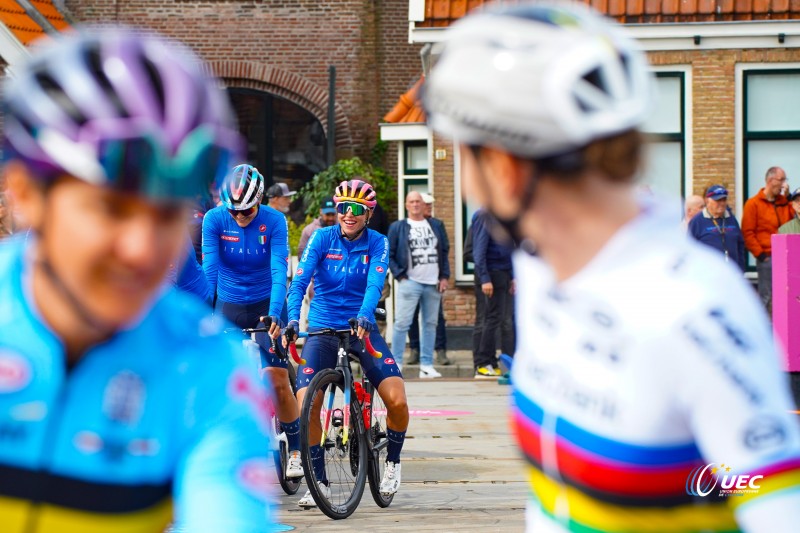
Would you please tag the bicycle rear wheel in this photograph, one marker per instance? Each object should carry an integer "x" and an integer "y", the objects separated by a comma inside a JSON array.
[
  {"x": 378, "y": 445},
  {"x": 344, "y": 452}
]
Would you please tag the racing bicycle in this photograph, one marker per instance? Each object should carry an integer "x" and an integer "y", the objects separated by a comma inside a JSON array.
[{"x": 348, "y": 418}]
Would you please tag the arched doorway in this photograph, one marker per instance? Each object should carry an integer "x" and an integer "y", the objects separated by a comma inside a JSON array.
[{"x": 284, "y": 141}]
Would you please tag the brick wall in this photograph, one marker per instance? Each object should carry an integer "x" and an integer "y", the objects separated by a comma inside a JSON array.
[
  {"x": 299, "y": 38},
  {"x": 714, "y": 109}
]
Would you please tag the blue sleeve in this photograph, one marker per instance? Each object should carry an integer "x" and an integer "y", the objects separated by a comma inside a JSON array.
[
  {"x": 378, "y": 263},
  {"x": 480, "y": 244},
  {"x": 220, "y": 483},
  {"x": 279, "y": 248},
  {"x": 694, "y": 228},
  {"x": 397, "y": 269},
  {"x": 444, "y": 271},
  {"x": 191, "y": 277},
  {"x": 305, "y": 271},
  {"x": 211, "y": 249}
]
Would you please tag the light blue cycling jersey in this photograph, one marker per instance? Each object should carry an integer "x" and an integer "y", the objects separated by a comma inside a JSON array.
[
  {"x": 348, "y": 277},
  {"x": 247, "y": 265},
  {"x": 168, "y": 412}
]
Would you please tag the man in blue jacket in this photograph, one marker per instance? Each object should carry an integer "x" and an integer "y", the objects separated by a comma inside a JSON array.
[
  {"x": 418, "y": 250},
  {"x": 494, "y": 302},
  {"x": 715, "y": 226}
]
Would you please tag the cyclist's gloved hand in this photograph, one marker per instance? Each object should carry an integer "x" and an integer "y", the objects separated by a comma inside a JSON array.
[
  {"x": 364, "y": 327},
  {"x": 275, "y": 326},
  {"x": 290, "y": 333}
]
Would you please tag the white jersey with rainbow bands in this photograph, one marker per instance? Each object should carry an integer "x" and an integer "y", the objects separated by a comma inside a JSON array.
[{"x": 652, "y": 361}]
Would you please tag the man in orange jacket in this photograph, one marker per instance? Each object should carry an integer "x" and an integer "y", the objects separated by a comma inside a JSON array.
[{"x": 763, "y": 214}]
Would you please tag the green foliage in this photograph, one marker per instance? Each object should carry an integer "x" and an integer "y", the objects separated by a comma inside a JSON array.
[
  {"x": 324, "y": 183},
  {"x": 295, "y": 231}
]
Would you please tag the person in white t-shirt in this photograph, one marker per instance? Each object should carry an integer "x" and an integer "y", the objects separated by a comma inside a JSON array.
[
  {"x": 647, "y": 391},
  {"x": 418, "y": 250}
]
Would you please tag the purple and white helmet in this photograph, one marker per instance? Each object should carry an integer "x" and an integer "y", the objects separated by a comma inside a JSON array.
[{"x": 120, "y": 109}]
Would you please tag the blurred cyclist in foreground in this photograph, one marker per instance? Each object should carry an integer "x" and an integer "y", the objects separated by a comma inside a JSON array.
[
  {"x": 122, "y": 405},
  {"x": 646, "y": 380}
]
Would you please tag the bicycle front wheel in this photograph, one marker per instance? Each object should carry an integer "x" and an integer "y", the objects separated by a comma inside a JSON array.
[
  {"x": 342, "y": 469},
  {"x": 376, "y": 433}
]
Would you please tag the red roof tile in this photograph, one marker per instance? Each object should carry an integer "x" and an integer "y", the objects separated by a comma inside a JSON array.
[
  {"x": 440, "y": 13},
  {"x": 24, "y": 27},
  {"x": 408, "y": 109}
]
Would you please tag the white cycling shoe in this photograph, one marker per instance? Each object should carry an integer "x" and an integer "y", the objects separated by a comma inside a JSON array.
[
  {"x": 391, "y": 479},
  {"x": 308, "y": 500},
  {"x": 294, "y": 466}
]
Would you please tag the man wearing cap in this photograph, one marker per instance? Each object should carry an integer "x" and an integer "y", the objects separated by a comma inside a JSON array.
[
  {"x": 793, "y": 226},
  {"x": 280, "y": 197},
  {"x": 327, "y": 217},
  {"x": 715, "y": 226},
  {"x": 440, "y": 346},
  {"x": 763, "y": 214}
]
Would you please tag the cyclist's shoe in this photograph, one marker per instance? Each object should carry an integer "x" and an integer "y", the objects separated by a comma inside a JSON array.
[
  {"x": 413, "y": 357},
  {"x": 308, "y": 500},
  {"x": 442, "y": 359},
  {"x": 427, "y": 371},
  {"x": 391, "y": 479},
  {"x": 294, "y": 466},
  {"x": 486, "y": 372}
]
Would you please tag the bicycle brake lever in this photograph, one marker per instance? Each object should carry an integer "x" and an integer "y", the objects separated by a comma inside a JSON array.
[
  {"x": 371, "y": 349},
  {"x": 293, "y": 350}
]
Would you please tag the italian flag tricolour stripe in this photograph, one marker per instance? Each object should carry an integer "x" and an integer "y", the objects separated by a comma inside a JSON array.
[
  {"x": 262, "y": 239},
  {"x": 364, "y": 259}
]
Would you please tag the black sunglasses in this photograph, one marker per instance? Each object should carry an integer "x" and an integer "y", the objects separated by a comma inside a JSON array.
[{"x": 244, "y": 212}]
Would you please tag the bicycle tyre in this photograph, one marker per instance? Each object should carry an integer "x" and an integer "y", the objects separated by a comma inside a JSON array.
[
  {"x": 289, "y": 486},
  {"x": 378, "y": 445},
  {"x": 346, "y": 493}
]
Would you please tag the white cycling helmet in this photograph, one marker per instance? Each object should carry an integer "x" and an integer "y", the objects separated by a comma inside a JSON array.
[{"x": 537, "y": 80}]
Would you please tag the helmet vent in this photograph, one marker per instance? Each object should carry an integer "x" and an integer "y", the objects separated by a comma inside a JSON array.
[
  {"x": 96, "y": 68},
  {"x": 56, "y": 92},
  {"x": 156, "y": 83}
]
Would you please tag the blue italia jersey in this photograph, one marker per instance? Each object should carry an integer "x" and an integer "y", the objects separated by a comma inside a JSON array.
[
  {"x": 165, "y": 421},
  {"x": 348, "y": 277},
  {"x": 247, "y": 265}
]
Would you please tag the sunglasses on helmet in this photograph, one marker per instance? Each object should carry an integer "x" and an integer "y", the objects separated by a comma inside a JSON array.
[
  {"x": 355, "y": 208},
  {"x": 137, "y": 160}
]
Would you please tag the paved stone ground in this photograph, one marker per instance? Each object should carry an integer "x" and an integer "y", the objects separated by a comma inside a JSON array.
[{"x": 461, "y": 470}]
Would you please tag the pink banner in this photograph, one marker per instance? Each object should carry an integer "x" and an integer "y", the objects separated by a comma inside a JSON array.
[{"x": 786, "y": 298}]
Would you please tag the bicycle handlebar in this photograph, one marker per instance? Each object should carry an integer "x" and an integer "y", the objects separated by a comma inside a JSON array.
[{"x": 335, "y": 333}]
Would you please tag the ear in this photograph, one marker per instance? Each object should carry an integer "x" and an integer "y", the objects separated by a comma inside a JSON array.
[
  {"x": 508, "y": 175},
  {"x": 27, "y": 196}
]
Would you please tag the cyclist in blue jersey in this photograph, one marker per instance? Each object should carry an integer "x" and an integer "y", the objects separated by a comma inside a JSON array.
[
  {"x": 123, "y": 406},
  {"x": 647, "y": 392},
  {"x": 348, "y": 263},
  {"x": 245, "y": 257}
]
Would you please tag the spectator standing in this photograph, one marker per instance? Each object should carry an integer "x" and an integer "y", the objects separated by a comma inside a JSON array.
[
  {"x": 279, "y": 197},
  {"x": 763, "y": 214},
  {"x": 440, "y": 345},
  {"x": 693, "y": 205},
  {"x": 793, "y": 226},
  {"x": 717, "y": 227},
  {"x": 494, "y": 302},
  {"x": 418, "y": 249},
  {"x": 327, "y": 217}
]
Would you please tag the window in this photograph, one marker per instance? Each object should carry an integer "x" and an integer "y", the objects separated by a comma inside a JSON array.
[
  {"x": 665, "y": 168},
  {"x": 770, "y": 126},
  {"x": 414, "y": 170},
  {"x": 284, "y": 141}
]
